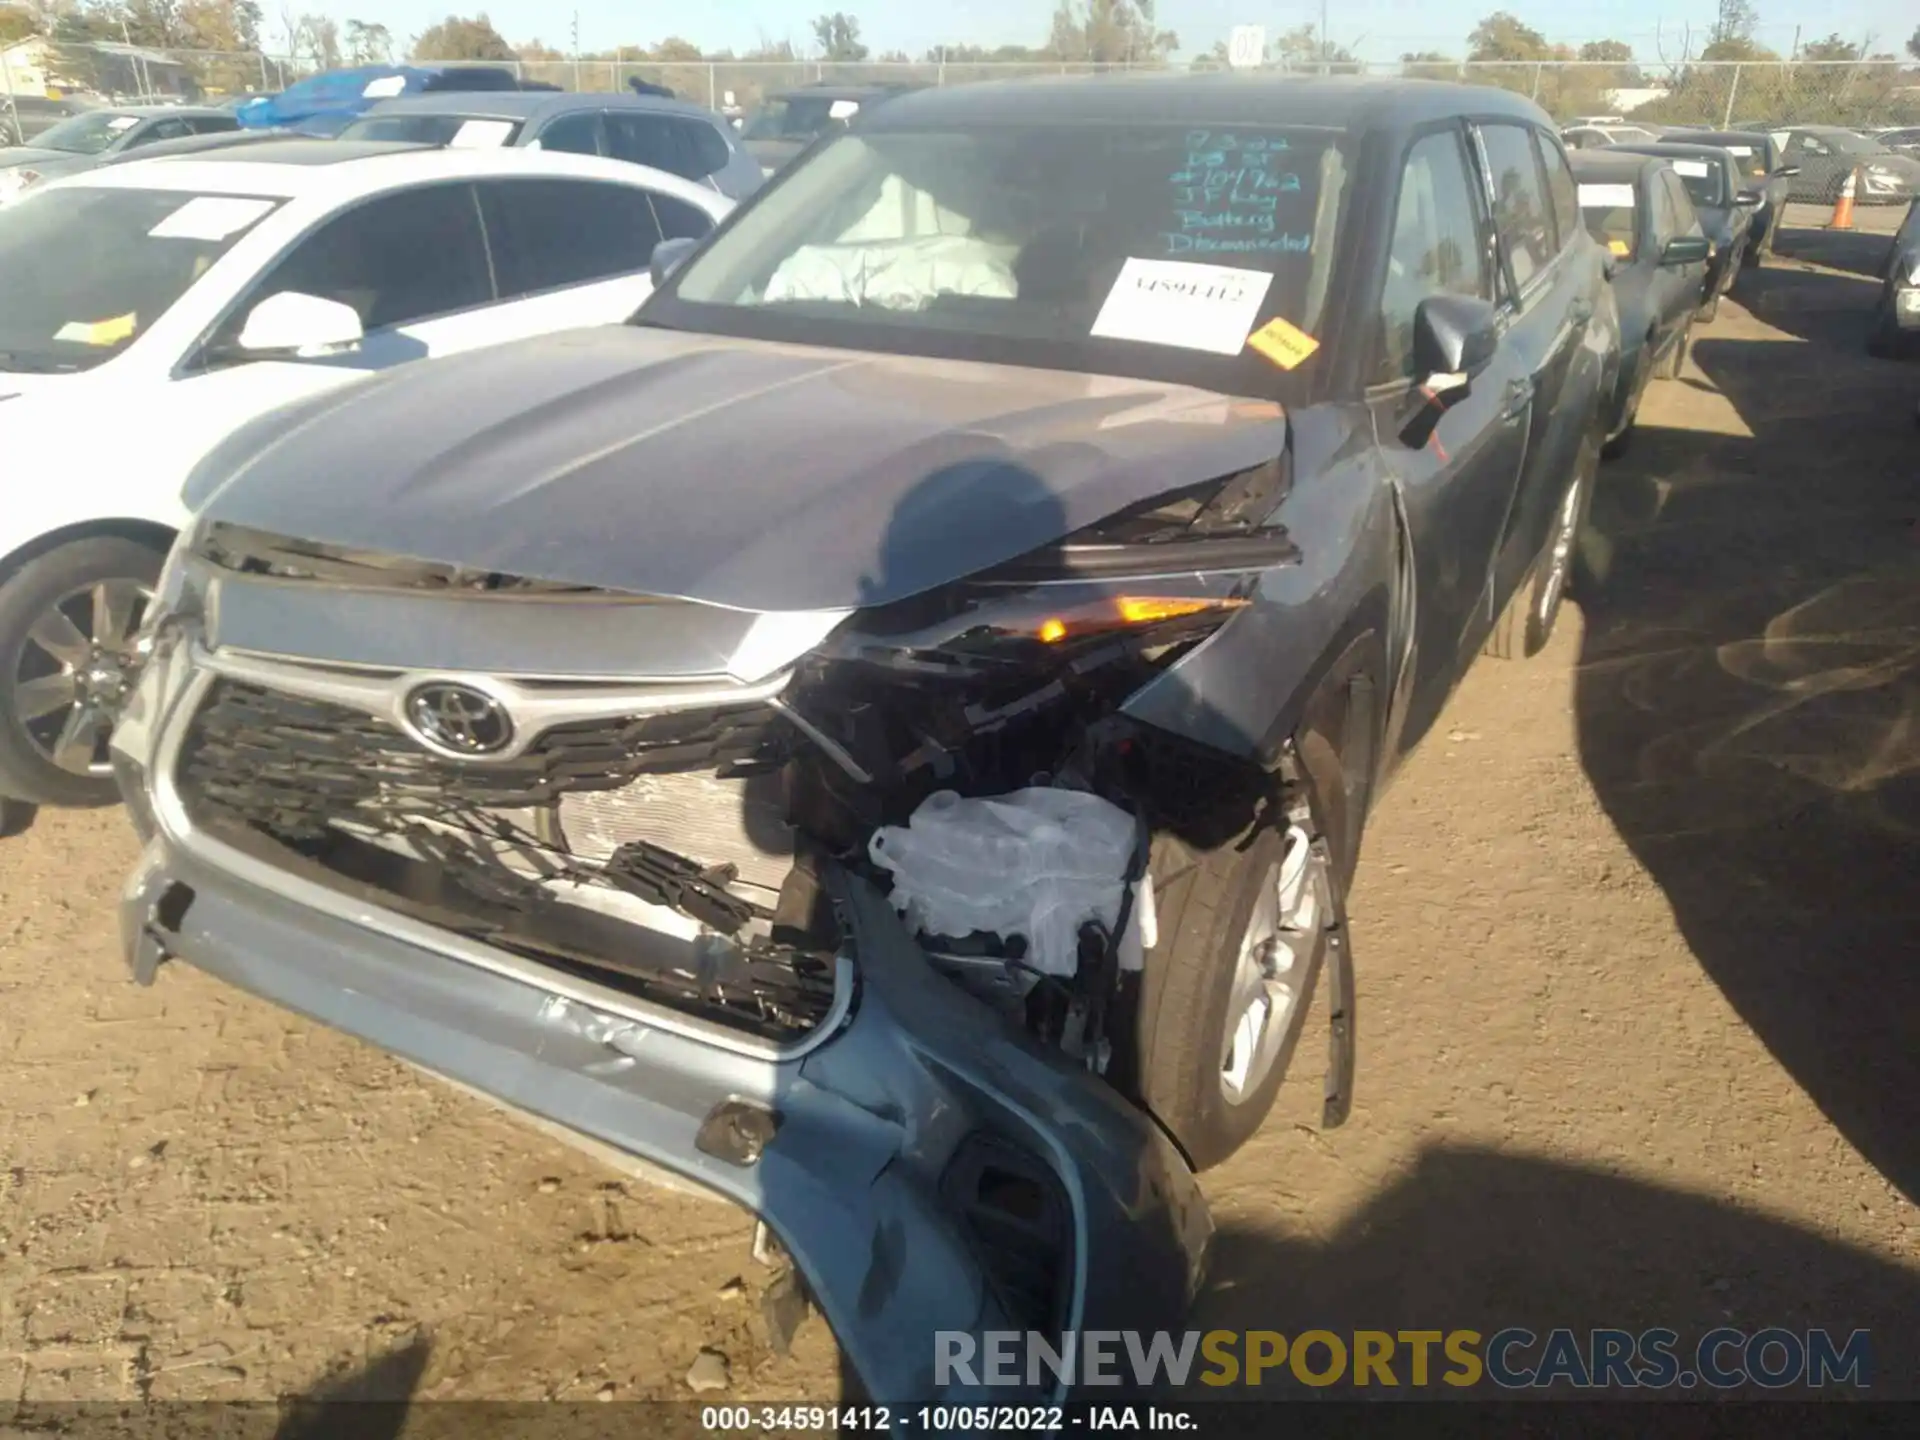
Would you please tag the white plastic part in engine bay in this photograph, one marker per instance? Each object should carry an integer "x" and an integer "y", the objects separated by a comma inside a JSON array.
[{"x": 1037, "y": 863}]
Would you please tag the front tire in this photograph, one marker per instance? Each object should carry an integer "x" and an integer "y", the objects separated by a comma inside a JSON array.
[
  {"x": 67, "y": 623},
  {"x": 1244, "y": 931}
]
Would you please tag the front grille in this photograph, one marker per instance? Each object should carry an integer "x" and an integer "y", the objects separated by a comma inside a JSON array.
[
  {"x": 487, "y": 850},
  {"x": 295, "y": 765}
]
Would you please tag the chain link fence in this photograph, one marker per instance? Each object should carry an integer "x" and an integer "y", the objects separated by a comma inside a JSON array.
[{"x": 1855, "y": 93}]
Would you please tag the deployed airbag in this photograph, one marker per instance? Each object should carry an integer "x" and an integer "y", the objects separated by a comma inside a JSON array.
[
  {"x": 1038, "y": 863},
  {"x": 896, "y": 274}
]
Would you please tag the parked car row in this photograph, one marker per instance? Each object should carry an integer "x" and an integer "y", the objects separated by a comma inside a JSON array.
[
  {"x": 183, "y": 296},
  {"x": 657, "y": 725}
]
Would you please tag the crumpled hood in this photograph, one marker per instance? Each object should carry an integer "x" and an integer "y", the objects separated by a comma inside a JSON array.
[{"x": 740, "y": 473}]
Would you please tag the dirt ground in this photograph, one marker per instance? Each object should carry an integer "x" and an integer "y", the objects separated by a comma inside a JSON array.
[{"x": 1639, "y": 979}]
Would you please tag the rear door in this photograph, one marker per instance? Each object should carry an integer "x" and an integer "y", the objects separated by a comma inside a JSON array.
[
  {"x": 1552, "y": 271},
  {"x": 1455, "y": 491}
]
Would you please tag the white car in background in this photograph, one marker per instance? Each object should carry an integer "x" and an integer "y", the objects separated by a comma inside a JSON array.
[{"x": 148, "y": 310}]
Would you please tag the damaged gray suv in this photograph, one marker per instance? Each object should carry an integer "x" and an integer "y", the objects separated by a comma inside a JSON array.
[{"x": 887, "y": 733}]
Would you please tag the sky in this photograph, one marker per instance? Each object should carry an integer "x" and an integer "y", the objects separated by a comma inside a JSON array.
[{"x": 1374, "y": 29}]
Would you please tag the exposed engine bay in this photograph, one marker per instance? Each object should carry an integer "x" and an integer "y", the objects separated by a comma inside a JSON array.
[{"x": 676, "y": 855}]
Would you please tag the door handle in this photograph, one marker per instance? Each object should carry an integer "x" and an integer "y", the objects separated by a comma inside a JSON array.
[{"x": 1519, "y": 396}]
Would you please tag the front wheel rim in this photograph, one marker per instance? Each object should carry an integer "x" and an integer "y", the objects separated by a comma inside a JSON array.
[
  {"x": 1560, "y": 559},
  {"x": 72, "y": 671},
  {"x": 1289, "y": 921}
]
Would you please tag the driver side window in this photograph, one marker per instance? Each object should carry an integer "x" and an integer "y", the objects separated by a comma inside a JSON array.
[
  {"x": 1438, "y": 246},
  {"x": 395, "y": 259}
]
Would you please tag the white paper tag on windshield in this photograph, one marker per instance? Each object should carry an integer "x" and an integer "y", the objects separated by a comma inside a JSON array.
[
  {"x": 120, "y": 124},
  {"x": 481, "y": 135},
  {"x": 386, "y": 87},
  {"x": 1691, "y": 167},
  {"x": 1171, "y": 302},
  {"x": 1741, "y": 150},
  {"x": 843, "y": 109},
  {"x": 210, "y": 218},
  {"x": 1606, "y": 197}
]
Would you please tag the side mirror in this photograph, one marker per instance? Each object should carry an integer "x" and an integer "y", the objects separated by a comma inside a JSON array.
[
  {"x": 667, "y": 257},
  {"x": 1749, "y": 197},
  {"x": 1687, "y": 250},
  {"x": 299, "y": 326},
  {"x": 1454, "y": 338}
]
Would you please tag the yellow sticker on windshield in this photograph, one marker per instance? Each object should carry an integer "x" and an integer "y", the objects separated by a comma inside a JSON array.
[
  {"x": 99, "y": 332},
  {"x": 1619, "y": 247},
  {"x": 1285, "y": 344}
]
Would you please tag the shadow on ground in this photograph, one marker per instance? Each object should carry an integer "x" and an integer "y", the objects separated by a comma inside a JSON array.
[
  {"x": 1540, "y": 1244},
  {"x": 1749, "y": 700}
]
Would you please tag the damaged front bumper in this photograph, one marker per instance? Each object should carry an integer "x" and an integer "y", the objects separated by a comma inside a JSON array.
[{"x": 928, "y": 1168}]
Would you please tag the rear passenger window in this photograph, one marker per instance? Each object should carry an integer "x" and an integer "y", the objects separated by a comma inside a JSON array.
[
  {"x": 1437, "y": 246},
  {"x": 548, "y": 234},
  {"x": 705, "y": 147},
  {"x": 1560, "y": 191},
  {"x": 1521, "y": 212},
  {"x": 648, "y": 140},
  {"x": 573, "y": 134}
]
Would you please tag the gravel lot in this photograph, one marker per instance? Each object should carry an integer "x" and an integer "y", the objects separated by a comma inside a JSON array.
[{"x": 1639, "y": 991}]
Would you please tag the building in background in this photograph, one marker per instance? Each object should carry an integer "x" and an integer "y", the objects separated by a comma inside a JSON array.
[{"x": 38, "y": 67}]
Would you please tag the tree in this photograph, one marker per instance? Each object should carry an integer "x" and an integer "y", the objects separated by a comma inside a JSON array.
[
  {"x": 316, "y": 39},
  {"x": 675, "y": 51},
  {"x": 1108, "y": 32},
  {"x": 1616, "y": 51},
  {"x": 457, "y": 39},
  {"x": 1913, "y": 43},
  {"x": 368, "y": 43},
  {"x": 982, "y": 55},
  {"x": 1503, "y": 36},
  {"x": 15, "y": 25},
  {"x": 838, "y": 35},
  {"x": 1734, "y": 22},
  {"x": 1831, "y": 48}
]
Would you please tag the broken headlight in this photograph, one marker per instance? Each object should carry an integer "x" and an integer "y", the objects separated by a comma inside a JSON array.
[{"x": 1158, "y": 575}]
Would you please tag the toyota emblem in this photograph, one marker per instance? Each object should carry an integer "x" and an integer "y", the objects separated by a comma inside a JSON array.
[{"x": 459, "y": 720}]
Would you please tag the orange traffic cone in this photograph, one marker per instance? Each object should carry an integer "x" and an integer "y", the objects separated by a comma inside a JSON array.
[{"x": 1843, "y": 205}]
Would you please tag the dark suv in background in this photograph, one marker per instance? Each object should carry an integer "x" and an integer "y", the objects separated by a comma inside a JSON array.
[{"x": 671, "y": 135}]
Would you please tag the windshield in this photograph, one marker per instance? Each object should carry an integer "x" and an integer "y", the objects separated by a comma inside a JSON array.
[
  {"x": 1608, "y": 211},
  {"x": 90, "y": 269},
  {"x": 88, "y": 134},
  {"x": 1148, "y": 250},
  {"x": 463, "y": 130}
]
